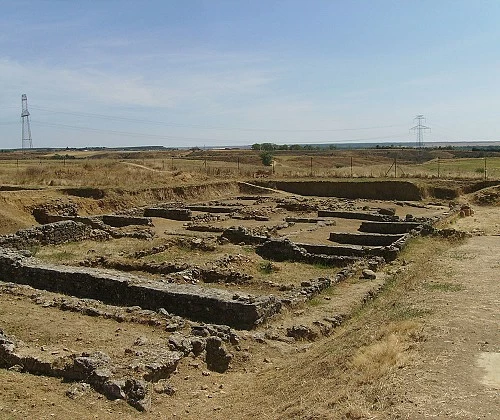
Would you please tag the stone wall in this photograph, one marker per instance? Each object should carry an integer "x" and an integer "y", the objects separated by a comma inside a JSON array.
[
  {"x": 122, "y": 220},
  {"x": 181, "y": 214},
  {"x": 49, "y": 234},
  {"x": 240, "y": 234},
  {"x": 285, "y": 250},
  {"x": 389, "y": 227},
  {"x": 214, "y": 209},
  {"x": 356, "y": 215},
  {"x": 194, "y": 302},
  {"x": 369, "y": 239}
]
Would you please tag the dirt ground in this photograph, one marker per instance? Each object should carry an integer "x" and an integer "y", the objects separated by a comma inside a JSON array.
[{"x": 427, "y": 347}]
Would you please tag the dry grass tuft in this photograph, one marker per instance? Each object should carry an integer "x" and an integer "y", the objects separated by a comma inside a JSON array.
[{"x": 379, "y": 358}]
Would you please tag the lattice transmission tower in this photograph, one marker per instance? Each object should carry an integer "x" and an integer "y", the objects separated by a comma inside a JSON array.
[
  {"x": 27, "y": 143},
  {"x": 420, "y": 128}
]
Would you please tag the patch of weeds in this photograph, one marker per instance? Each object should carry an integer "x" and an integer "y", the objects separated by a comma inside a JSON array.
[
  {"x": 34, "y": 249},
  {"x": 322, "y": 266},
  {"x": 457, "y": 255},
  {"x": 248, "y": 249},
  {"x": 267, "y": 267},
  {"x": 315, "y": 301},
  {"x": 331, "y": 291},
  {"x": 401, "y": 313},
  {"x": 444, "y": 287},
  {"x": 62, "y": 256}
]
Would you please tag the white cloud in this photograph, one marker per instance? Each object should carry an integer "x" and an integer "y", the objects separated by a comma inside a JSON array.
[{"x": 167, "y": 89}]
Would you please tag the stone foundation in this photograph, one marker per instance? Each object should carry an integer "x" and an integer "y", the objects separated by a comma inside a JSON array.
[
  {"x": 369, "y": 239},
  {"x": 285, "y": 250},
  {"x": 193, "y": 302},
  {"x": 169, "y": 213},
  {"x": 121, "y": 220},
  {"x": 50, "y": 234},
  {"x": 356, "y": 215},
  {"x": 389, "y": 228}
]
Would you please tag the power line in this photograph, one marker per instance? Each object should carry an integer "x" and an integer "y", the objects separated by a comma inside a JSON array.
[
  {"x": 142, "y": 121},
  {"x": 420, "y": 128},
  {"x": 162, "y": 137}
]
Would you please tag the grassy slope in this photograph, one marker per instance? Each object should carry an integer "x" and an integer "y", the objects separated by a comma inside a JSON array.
[{"x": 348, "y": 375}]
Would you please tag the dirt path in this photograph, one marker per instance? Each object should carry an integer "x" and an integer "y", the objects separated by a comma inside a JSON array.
[
  {"x": 459, "y": 373},
  {"x": 142, "y": 166}
]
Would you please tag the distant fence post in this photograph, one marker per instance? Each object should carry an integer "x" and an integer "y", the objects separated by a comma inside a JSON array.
[
  {"x": 485, "y": 170},
  {"x": 351, "y": 166},
  {"x": 311, "y": 166}
]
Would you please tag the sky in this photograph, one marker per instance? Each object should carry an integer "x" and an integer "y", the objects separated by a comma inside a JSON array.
[{"x": 206, "y": 73}]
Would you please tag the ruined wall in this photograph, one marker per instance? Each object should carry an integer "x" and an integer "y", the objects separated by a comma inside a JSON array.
[
  {"x": 240, "y": 234},
  {"x": 181, "y": 214},
  {"x": 356, "y": 215},
  {"x": 370, "y": 239},
  {"x": 285, "y": 250},
  {"x": 122, "y": 220},
  {"x": 49, "y": 234},
  {"x": 214, "y": 209},
  {"x": 389, "y": 227},
  {"x": 194, "y": 302}
]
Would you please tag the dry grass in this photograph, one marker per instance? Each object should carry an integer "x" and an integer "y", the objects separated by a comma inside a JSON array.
[
  {"x": 348, "y": 375},
  {"x": 147, "y": 169},
  {"x": 377, "y": 359}
]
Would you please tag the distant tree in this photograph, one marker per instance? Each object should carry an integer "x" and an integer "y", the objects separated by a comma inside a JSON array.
[
  {"x": 268, "y": 146},
  {"x": 256, "y": 146},
  {"x": 266, "y": 158}
]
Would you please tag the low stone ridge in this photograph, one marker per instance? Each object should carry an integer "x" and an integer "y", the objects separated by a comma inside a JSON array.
[
  {"x": 193, "y": 302},
  {"x": 214, "y": 209},
  {"x": 369, "y": 239},
  {"x": 101, "y": 231},
  {"x": 247, "y": 216},
  {"x": 356, "y": 215},
  {"x": 389, "y": 228},
  {"x": 121, "y": 220},
  {"x": 189, "y": 273},
  {"x": 50, "y": 234},
  {"x": 286, "y": 250},
  {"x": 240, "y": 234},
  {"x": 296, "y": 205},
  {"x": 205, "y": 228},
  {"x": 96, "y": 369},
  {"x": 389, "y": 253},
  {"x": 181, "y": 214},
  {"x": 310, "y": 220}
]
